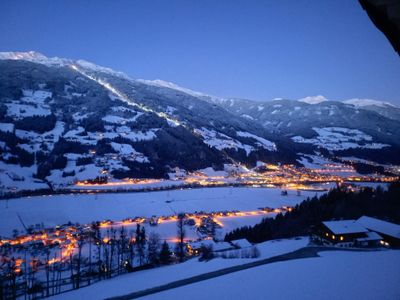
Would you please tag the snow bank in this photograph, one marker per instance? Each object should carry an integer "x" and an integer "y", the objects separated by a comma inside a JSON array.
[{"x": 335, "y": 275}]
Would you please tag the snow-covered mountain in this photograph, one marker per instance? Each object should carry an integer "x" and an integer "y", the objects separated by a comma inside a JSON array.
[
  {"x": 359, "y": 127},
  {"x": 313, "y": 99},
  {"x": 63, "y": 120},
  {"x": 368, "y": 102},
  {"x": 370, "y": 126}
]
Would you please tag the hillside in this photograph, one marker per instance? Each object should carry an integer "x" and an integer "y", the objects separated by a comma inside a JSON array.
[{"x": 64, "y": 120}]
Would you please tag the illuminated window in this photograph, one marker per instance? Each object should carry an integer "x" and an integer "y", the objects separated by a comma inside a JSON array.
[
  {"x": 341, "y": 238},
  {"x": 333, "y": 236}
]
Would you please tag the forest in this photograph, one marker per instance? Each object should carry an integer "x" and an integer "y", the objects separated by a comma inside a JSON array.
[{"x": 339, "y": 203}]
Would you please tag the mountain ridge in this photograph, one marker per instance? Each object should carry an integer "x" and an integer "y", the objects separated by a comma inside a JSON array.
[
  {"x": 38, "y": 57},
  {"x": 65, "y": 120}
]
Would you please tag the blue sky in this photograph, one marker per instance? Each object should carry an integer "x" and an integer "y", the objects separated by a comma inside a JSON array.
[{"x": 246, "y": 49}]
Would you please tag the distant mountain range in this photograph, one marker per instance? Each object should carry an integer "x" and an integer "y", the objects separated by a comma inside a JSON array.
[{"x": 63, "y": 120}]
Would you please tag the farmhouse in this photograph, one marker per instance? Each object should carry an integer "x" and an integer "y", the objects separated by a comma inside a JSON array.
[
  {"x": 372, "y": 239},
  {"x": 242, "y": 243},
  {"x": 390, "y": 232},
  {"x": 345, "y": 233},
  {"x": 195, "y": 248}
]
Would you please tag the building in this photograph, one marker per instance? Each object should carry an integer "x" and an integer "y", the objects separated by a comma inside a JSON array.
[
  {"x": 372, "y": 239},
  {"x": 345, "y": 233},
  {"x": 242, "y": 243},
  {"x": 195, "y": 248},
  {"x": 390, "y": 232},
  {"x": 154, "y": 220}
]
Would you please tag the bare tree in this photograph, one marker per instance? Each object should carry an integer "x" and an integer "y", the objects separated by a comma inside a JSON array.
[
  {"x": 153, "y": 248},
  {"x": 181, "y": 236},
  {"x": 90, "y": 237},
  {"x": 112, "y": 250},
  {"x": 47, "y": 267},
  {"x": 131, "y": 252},
  {"x": 122, "y": 248},
  {"x": 80, "y": 239},
  {"x": 140, "y": 243}
]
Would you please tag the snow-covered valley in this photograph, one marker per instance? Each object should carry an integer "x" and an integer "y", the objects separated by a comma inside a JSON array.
[
  {"x": 60, "y": 209},
  {"x": 97, "y": 169}
]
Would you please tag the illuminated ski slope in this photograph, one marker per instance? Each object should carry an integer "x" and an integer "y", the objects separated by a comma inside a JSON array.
[{"x": 123, "y": 97}]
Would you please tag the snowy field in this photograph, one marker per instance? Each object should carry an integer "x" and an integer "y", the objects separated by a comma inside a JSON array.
[
  {"x": 339, "y": 138},
  {"x": 334, "y": 275},
  {"x": 151, "y": 278},
  {"x": 59, "y": 209}
]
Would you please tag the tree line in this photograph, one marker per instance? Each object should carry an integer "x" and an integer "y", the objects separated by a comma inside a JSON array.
[{"x": 339, "y": 203}]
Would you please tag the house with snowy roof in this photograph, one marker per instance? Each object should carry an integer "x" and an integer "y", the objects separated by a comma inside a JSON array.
[
  {"x": 195, "y": 248},
  {"x": 345, "y": 233},
  {"x": 390, "y": 232},
  {"x": 241, "y": 243}
]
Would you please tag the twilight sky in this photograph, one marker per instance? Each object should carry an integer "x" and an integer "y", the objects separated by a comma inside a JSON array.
[{"x": 247, "y": 49}]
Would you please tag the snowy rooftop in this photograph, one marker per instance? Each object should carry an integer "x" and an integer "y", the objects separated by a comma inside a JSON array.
[
  {"x": 384, "y": 227},
  {"x": 242, "y": 243},
  {"x": 371, "y": 236},
  {"x": 344, "y": 226},
  {"x": 217, "y": 246}
]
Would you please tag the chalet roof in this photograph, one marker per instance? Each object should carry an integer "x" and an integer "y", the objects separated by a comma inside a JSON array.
[
  {"x": 371, "y": 236},
  {"x": 219, "y": 246},
  {"x": 380, "y": 226},
  {"x": 345, "y": 227},
  {"x": 242, "y": 243}
]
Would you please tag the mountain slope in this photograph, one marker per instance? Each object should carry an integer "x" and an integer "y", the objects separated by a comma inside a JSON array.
[
  {"x": 365, "y": 128},
  {"x": 63, "y": 120},
  {"x": 332, "y": 127}
]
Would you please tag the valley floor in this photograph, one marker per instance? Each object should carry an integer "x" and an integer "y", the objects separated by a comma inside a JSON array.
[{"x": 59, "y": 209}]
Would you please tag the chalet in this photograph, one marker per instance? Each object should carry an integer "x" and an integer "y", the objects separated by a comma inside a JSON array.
[
  {"x": 242, "y": 243},
  {"x": 345, "y": 233},
  {"x": 195, "y": 248},
  {"x": 390, "y": 232},
  {"x": 372, "y": 239}
]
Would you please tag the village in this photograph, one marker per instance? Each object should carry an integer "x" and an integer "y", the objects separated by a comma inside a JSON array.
[
  {"x": 265, "y": 175},
  {"x": 48, "y": 261},
  {"x": 68, "y": 250},
  {"x": 39, "y": 260}
]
